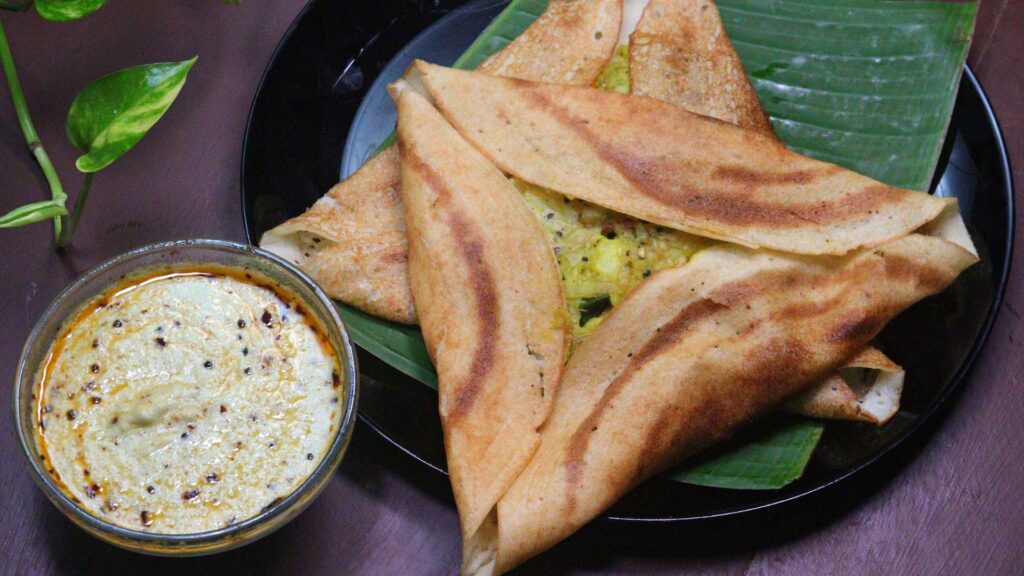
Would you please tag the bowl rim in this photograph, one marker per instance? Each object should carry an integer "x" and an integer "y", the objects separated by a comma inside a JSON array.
[{"x": 180, "y": 543}]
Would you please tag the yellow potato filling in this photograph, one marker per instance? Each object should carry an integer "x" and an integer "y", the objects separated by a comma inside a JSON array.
[
  {"x": 615, "y": 76},
  {"x": 602, "y": 254}
]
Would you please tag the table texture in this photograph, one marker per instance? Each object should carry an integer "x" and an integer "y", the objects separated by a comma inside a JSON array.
[{"x": 949, "y": 502}]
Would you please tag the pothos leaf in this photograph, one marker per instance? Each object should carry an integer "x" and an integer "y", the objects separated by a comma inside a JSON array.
[
  {"x": 67, "y": 10},
  {"x": 112, "y": 114},
  {"x": 34, "y": 212}
]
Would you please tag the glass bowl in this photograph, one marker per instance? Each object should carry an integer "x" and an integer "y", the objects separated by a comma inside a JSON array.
[{"x": 183, "y": 252}]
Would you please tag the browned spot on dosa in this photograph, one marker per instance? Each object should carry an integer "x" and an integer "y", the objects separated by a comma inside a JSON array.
[
  {"x": 487, "y": 317},
  {"x": 396, "y": 257},
  {"x": 771, "y": 365},
  {"x": 471, "y": 250},
  {"x": 742, "y": 175},
  {"x": 661, "y": 434},
  {"x": 665, "y": 336},
  {"x": 736, "y": 200},
  {"x": 900, "y": 267},
  {"x": 858, "y": 329}
]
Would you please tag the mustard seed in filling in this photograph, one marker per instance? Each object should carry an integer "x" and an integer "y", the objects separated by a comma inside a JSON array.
[{"x": 187, "y": 401}]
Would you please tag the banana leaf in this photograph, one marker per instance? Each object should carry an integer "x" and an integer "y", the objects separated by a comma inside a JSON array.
[
  {"x": 866, "y": 84},
  {"x": 771, "y": 455}
]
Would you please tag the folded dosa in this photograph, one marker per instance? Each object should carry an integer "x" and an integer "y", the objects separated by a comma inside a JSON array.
[
  {"x": 353, "y": 240},
  {"x": 689, "y": 356},
  {"x": 657, "y": 162},
  {"x": 680, "y": 54},
  {"x": 867, "y": 388},
  {"x": 489, "y": 296},
  {"x": 569, "y": 43}
]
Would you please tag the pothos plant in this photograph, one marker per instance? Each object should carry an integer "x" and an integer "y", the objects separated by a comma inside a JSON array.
[{"x": 106, "y": 119}]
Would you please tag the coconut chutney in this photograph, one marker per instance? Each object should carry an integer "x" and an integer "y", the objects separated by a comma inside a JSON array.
[{"x": 185, "y": 401}]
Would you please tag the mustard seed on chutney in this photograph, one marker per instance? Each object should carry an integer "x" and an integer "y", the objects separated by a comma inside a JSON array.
[{"x": 182, "y": 401}]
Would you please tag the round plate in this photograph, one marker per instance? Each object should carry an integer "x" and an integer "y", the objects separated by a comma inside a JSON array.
[{"x": 321, "y": 111}]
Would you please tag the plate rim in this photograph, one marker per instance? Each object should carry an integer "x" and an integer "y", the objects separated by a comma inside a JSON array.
[{"x": 941, "y": 402}]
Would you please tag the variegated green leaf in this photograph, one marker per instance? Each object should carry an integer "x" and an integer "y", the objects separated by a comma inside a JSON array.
[
  {"x": 66, "y": 10},
  {"x": 112, "y": 114},
  {"x": 34, "y": 212}
]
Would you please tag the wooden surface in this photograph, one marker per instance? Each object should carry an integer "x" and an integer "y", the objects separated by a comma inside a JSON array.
[{"x": 952, "y": 502}]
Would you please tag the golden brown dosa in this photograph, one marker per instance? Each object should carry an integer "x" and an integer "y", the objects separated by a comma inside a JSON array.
[
  {"x": 489, "y": 295},
  {"x": 686, "y": 358},
  {"x": 570, "y": 43},
  {"x": 353, "y": 241},
  {"x": 657, "y": 162},
  {"x": 680, "y": 54},
  {"x": 867, "y": 388}
]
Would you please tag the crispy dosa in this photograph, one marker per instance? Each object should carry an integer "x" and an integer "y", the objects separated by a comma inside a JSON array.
[
  {"x": 568, "y": 44},
  {"x": 353, "y": 240},
  {"x": 657, "y": 162},
  {"x": 680, "y": 54},
  {"x": 490, "y": 302},
  {"x": 747, "y": 329},
  {"x": 866, "y": 389}
]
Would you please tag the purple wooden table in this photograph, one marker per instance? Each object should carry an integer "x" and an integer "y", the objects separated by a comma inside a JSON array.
[{"x": 952, "y": 502}]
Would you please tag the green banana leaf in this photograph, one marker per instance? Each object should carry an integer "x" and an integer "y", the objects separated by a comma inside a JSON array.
[
  {"x": 866, "y": 84},
  {"x": 34, "y": 212},
  {"x": 768, "y": 457}
]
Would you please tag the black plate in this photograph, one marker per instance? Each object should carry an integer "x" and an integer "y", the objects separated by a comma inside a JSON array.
[{"x": 320, "y": 111}]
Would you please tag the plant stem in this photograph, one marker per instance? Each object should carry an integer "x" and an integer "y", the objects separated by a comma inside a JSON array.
[
  {"x": 69, "y": 226},
  {"x": 29, "y": 129}
]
